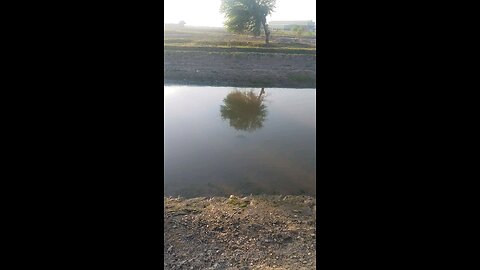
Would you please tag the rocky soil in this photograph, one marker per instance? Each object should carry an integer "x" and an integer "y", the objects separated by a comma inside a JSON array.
[{"x": 254, "y": 232}]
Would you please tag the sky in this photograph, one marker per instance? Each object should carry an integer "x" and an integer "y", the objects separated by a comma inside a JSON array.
[{"x": 207, "y": 12}]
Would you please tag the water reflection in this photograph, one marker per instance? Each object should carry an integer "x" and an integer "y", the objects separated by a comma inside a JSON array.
[
  {"x": 244, "y": 110},
  {"x": 206, "y": 156}
]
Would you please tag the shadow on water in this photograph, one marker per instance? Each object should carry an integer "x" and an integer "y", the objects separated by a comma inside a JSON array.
[{"x": 244, "y": 110}]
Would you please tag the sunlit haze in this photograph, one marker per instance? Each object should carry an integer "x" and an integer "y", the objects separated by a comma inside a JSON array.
[{"x": 207, "y": 12}]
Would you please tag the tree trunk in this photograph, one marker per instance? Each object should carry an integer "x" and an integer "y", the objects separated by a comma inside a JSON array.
[
  {"x": 261, "y": 93},
  {"x": 267, "y": 32}
]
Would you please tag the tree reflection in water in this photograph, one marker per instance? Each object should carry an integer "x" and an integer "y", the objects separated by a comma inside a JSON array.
[{"x": 244, "y": 110}]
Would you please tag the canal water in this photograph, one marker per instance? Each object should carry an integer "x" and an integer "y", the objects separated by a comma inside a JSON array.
[{"x": 223, "y": 140}]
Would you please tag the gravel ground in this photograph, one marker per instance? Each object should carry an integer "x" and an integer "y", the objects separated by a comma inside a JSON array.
[{"x": 254, "y": 232}]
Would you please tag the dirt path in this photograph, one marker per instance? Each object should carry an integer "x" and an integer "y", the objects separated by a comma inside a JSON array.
[
  {"x": 255, "y": 232},
  {"x": 240, "y": 69}
]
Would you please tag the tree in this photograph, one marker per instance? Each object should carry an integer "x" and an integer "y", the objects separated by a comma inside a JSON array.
[
  {"x": 247, "y": 16},
  {"x": 181, "y": 23},
  {"x": 244, "y": 110}
]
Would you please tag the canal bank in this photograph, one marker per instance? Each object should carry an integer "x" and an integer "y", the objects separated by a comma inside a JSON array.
[
  {"x": 253, "y": 232},
  {"x": 240, "y": 69}
]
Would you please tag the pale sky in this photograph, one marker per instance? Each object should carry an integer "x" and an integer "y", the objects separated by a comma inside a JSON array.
[{"x": 207, "y": 12}]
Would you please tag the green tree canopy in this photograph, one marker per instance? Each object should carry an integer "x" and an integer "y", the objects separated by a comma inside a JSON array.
[{"x": 247, "y": 16}]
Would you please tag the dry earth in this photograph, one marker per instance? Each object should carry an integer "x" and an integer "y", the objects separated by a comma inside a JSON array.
[
  {"x": 240, "y": 69},
  {"x": 254, "y": 232}
]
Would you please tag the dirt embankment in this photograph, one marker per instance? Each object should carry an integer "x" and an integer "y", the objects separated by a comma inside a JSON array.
[
  {"x": 255, "y": 232},
  {"x": 240, "y": 69}
]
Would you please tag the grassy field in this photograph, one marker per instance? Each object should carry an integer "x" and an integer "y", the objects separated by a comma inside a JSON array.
[{"x": 217, "y": 39}]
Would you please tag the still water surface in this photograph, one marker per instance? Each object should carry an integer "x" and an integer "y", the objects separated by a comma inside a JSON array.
[{"x": 224, "y": 140}]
